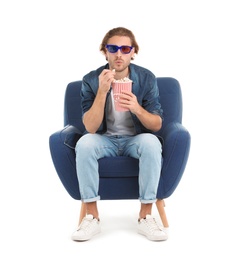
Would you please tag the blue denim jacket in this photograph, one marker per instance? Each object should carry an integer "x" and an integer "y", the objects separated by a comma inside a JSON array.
[{"x": 144, "y": 87}]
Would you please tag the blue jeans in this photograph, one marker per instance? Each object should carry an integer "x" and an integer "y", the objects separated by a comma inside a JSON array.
[{"x": 145, "y": 147}]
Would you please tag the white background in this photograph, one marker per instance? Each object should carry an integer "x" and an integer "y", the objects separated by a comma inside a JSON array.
[{"x": 47, "y": 44}]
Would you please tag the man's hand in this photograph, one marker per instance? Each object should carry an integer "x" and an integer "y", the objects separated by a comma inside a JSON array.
[
  {"x": 105, "y": 79},
  {"x": 129, "y": 100}
]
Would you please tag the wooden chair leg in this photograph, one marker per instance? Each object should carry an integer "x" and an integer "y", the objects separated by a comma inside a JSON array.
[
  {"x": 82, "y": 212},
  {"x": 160, "y": 206}
]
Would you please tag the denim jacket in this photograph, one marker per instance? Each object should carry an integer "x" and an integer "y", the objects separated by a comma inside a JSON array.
[{"x": 144, "y": 86}]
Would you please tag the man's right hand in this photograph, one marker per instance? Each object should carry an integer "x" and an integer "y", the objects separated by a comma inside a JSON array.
[{"x": 105, "y": 79}]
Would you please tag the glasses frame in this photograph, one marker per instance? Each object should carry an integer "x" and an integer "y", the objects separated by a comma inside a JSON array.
[{"x": 118, "y": 48}]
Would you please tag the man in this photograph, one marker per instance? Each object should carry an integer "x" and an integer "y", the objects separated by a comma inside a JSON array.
[{"x": 112, "y": 133}]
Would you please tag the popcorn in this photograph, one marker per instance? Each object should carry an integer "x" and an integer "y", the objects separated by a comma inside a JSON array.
[{"x": 126, "y": 79}]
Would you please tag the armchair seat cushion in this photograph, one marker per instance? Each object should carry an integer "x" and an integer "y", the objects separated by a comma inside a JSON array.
[{"x": 120, "y": 166}]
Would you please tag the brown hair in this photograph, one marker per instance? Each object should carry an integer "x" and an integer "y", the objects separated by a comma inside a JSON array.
[{"x": 119, "y": 31}]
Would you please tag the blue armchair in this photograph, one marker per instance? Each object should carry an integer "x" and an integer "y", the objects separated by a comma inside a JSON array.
[{"x": 119, "y": 175}]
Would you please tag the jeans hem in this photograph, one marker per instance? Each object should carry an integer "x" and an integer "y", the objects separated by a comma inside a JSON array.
[{"x": 91, "y": 199}]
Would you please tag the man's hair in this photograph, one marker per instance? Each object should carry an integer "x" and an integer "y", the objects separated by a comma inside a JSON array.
[{"x": 119, "y": 31}]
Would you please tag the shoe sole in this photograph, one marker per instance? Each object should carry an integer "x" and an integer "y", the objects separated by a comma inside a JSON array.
[
  {"x": 153, "y": 238},
  {"x": 75, "y": 238}
]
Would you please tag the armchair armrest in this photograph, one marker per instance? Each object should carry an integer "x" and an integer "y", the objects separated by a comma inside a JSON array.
[
  {"x": 70, "y": 135},
  {"x": 176, "y": 139},
  {"x": 62, "y": 145}
]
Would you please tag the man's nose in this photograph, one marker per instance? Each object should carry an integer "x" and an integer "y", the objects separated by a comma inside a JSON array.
[{"x": 118, "y": 53}]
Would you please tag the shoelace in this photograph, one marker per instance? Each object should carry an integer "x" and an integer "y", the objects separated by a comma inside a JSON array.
[
  {"x": 85, "y": 225},
  {"x": 152, "y": 224}
]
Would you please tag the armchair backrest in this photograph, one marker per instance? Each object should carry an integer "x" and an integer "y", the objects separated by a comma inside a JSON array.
[{"x": 170, "y": 99}]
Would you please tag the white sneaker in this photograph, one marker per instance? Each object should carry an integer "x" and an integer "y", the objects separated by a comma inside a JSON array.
[
  {"x": 87, "y": 229},
  {"x": 150, "y": 228}
]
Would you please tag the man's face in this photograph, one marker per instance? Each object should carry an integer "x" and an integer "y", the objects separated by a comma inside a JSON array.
[{"x": 118, "y": 60}]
